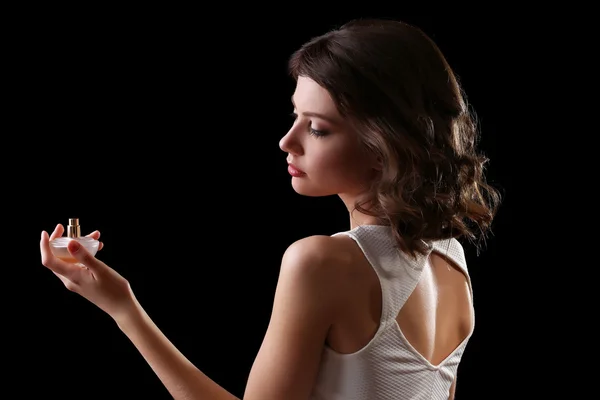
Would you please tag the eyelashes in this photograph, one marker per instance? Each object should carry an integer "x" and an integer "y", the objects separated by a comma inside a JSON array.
[{"x": 314, "y": 132}]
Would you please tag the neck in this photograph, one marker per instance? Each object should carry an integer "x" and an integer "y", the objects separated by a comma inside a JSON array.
[{"x": 358, "y": 218}]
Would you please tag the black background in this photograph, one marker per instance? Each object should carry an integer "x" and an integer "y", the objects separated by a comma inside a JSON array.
[{"x": 160, "y": 128}]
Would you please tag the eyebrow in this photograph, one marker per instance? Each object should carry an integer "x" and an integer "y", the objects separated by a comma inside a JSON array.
[{"x": 317, "y": 115}]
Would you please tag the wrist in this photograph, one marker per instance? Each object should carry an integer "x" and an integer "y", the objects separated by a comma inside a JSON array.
[{"x": 130, "y": 316}]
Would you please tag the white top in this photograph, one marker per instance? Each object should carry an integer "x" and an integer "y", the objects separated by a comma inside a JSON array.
[{"x": 388, "y": 367}]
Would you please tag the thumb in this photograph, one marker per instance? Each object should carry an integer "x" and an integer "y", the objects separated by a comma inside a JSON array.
[{"x": 81, "y": 254}]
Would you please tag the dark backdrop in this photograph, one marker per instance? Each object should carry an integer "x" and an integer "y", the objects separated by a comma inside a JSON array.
[{"x": 160, "y": 128}]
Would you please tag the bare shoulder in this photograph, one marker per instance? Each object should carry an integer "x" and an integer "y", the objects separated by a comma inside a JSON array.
[
  {"x": 315, "y": 247},
  {"x": 319, "y": 254},
  {"x": 321, "y": 247},
  {"x": 324, "y": 266},
  {"x": 306, "y": 304}
]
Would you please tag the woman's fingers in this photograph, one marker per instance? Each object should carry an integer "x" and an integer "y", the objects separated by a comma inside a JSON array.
[
  {"x": 68, "y": 270},
  {"x": 85, "y": 258},
  {"x": 96, "y": 235},
  {"x": 58, "y": 231}
]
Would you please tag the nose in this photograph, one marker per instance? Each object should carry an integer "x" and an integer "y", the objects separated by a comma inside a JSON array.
[{"x": 290, "y": 144}]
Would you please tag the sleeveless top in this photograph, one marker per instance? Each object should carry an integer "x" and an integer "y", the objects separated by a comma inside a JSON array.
[{"x": 388, "y": 367}]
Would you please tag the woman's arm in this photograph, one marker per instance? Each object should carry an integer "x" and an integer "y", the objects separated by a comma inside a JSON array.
[
  {"x": 179, "y": 376},
  {"x": 306, "y": 301},
  {"x": 108, "y": 290},
  {"x": 288, "y": 360}
]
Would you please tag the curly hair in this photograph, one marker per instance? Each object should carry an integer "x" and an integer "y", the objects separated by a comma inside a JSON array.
[{"x": 391, "y": 82}]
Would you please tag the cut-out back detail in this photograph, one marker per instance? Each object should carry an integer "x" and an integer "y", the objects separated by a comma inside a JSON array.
[
  {"x": 438, "y": 315},
  {"x": 389, "y": 367}
]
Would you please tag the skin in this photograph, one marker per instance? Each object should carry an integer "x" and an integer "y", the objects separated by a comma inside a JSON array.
[
  {"x": 327, "y": 293},
  {"x": 327, "y": 150}
]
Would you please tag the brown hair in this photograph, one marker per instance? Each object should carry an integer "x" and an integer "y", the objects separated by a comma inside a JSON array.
[{"x": 393, "y": 84}]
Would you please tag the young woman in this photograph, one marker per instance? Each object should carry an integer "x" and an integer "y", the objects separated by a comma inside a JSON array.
[{"x": 383, "y": 310}]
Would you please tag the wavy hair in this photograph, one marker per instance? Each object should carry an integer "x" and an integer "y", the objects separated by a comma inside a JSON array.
[{"x": 395, "y": 87}]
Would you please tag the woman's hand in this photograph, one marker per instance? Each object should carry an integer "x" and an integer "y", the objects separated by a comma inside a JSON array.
[
  {"x": 90, "y": 277},
  {"x": 59, "y": 230}
]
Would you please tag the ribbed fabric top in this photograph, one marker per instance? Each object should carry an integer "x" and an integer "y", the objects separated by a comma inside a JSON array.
[{"x": 388, "y": 367}]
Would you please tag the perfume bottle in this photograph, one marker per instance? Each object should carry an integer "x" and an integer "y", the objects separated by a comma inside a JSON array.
[{"x": 59, "y": 245}]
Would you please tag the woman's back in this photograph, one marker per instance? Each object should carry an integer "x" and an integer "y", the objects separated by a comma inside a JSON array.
[{"x": 406, "y": 323}]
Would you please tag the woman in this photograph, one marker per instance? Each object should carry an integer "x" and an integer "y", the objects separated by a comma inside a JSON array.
[{"x": 383, "y": 310}]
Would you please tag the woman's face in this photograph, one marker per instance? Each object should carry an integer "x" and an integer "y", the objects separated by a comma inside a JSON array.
[{"x": 325, "y": 151}]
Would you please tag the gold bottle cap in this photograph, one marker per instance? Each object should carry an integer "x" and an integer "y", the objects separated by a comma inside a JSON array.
[{"x": 73, "y": 229}]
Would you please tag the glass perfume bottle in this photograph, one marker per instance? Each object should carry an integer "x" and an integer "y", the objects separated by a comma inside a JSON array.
[{"x": 59, "y": 245}]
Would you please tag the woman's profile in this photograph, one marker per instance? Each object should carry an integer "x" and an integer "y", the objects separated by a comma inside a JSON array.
[{"x": 384, "y": 309}]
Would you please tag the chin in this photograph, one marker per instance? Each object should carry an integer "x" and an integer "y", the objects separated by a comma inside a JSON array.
[{"x": 305, "y": 188}]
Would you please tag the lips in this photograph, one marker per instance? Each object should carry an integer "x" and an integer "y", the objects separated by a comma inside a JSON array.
[{"x": 296, "y": 168}]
